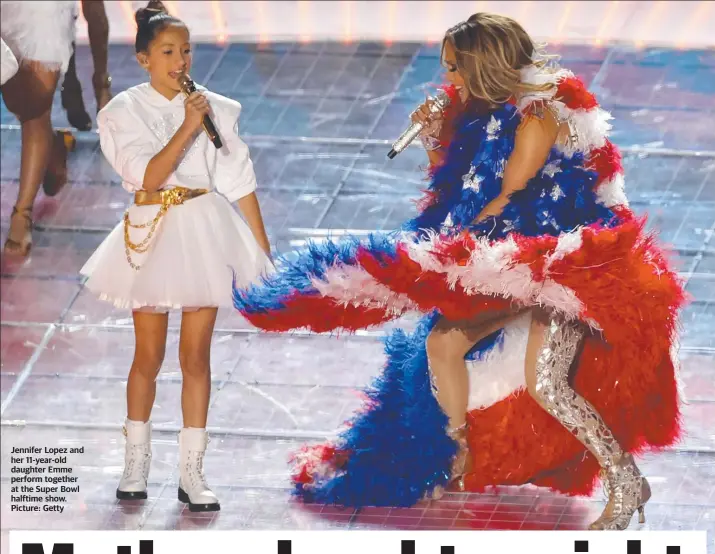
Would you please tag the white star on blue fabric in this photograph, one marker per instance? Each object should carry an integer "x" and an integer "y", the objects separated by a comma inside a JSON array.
[
  {"x": 551, "y": 169},
  {"x": 448, "y": 223},
  {"x": 557, "y": 193},
  {"x": 493, "y": 128}
]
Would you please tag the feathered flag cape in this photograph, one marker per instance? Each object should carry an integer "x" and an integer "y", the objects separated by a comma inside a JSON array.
[{"x": 568, "y": 242}]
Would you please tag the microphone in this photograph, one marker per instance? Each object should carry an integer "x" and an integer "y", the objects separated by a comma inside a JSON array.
[
  {"x": 188, "y": 87},
  {"x": 440, "y": 102}
]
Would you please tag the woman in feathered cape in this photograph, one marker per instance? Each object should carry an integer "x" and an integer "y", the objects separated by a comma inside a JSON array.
[{"x": 545, "y": 350}]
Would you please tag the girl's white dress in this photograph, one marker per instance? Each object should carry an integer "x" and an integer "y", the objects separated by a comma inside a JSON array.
[
  {"x": 40, "y": 31},
  {"x": 197, "y": 246}
]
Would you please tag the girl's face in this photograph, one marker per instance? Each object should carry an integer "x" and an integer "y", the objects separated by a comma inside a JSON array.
[
  {"x": 449, "y": 61},
  {"x": 168, "y": 57}
]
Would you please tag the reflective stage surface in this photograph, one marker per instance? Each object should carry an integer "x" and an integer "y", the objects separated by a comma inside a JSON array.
[{"x": 317, "y": 118}]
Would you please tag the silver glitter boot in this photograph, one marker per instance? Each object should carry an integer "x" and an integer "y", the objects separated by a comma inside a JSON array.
[{"x": 627, "y": 489}]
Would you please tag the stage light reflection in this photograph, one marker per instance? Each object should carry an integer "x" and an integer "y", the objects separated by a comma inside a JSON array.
[
  {"x": 347, "y": 22},
  {"x": 304, "y": 18},
  {"x": 603, "y": 32},
  {"x": 563, "y": 22},
  {"x": 652, "y": 17},
  {"x": 129, "y": 15}
]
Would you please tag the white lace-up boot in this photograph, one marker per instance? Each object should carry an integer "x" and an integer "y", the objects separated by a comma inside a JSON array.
[
  {"x": 137, "y": 460},
  {"x": 193, "y": 489}
]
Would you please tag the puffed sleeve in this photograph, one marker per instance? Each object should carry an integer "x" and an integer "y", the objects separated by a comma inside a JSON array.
[
  {"x": 8, "y": 66},
  {"x": 234, "y": 176},
  {"x": 125, "y": 143}
]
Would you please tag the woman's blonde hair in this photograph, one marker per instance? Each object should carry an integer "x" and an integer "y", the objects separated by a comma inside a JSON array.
[{"x": 490, "y": 51}]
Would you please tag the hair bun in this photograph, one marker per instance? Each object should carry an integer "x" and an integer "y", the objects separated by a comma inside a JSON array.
[{"x": 143, "y": 15}]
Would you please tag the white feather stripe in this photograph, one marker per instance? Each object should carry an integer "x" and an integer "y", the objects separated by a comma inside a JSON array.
[
  {"x": 515, "y": 281},
  {"x": 422, "y": 252},
  {"x": 500, "y": 373},
  {"x": 567, "y": 244},
  {"x": 592, "y": 127},
  {"x": 492, "y": 270},
  {"x": 353, "y": 285},
  {"x": 534, "y": 75},
  {"x": 612, "y": 192}
]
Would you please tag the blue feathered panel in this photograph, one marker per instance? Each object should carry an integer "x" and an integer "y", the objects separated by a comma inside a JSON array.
[{"x": 398, "y": 448}]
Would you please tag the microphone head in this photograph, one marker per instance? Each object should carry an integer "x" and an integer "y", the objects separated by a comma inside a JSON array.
[
  {"x": 442, "y": 99},
  {"x": 186, "y": 84}
]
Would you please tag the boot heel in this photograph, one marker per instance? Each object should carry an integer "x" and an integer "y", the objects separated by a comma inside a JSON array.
[
  {"x": 193, "y": 489},
  {"x": 641, "y": 515},
  {"x": 131, "y": 495}
]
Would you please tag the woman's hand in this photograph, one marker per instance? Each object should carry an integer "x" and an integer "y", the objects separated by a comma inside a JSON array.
[
  {"x": 432, "y": 120},
  {"x": 196, "y": 106},
  {"x": 493, "y": 209}
]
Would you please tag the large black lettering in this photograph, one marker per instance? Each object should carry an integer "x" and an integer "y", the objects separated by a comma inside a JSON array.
[{"x": 59, "y": 548}]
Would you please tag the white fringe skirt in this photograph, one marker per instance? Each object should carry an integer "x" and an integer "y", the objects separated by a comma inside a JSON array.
[{"x": 40, "y": 31}]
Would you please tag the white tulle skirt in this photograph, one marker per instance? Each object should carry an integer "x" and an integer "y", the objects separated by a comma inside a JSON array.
[
  {"x": 40, "y": 31},
  {"x": 191, "y": 261}
]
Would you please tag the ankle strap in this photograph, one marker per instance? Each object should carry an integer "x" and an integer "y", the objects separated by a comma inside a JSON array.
[
  {"x": 25, "y": 212},
  {"x": 458, "y": 433}
]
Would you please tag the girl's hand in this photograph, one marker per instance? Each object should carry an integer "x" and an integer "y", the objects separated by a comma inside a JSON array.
[{"x": 196, "y": 106}]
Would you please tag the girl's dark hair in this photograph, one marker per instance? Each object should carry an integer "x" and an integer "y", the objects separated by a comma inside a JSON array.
[{"x": 150, "y": 22}]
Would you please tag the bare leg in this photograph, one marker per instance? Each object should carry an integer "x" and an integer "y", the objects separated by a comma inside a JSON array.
[
  {"x": 150, "y": 335},
  {"x": 447, "y": 345},
  {"x": 195, "y": 358},
  {"x": 29, "y": 96},
  {"x": 552, "y": 350},
  {"x": 150, "y": 332},
  {"x": 98, "y": 31}
]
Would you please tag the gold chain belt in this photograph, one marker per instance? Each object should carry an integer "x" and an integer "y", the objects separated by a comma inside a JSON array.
[{"x": 165, "y": 198}]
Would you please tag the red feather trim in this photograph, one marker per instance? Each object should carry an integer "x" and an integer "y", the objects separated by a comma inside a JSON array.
[
  {"x": 605, "y": 161},
  {"x": 319, "y": 314},
  {"x": 573, "y": 93}
]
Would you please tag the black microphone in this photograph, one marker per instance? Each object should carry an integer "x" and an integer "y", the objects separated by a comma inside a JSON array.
[{"x": 188, "y": 87}]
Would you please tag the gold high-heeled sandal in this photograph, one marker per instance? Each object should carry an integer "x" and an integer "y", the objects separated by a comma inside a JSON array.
[
  {"x": 628, "y": 492},
  {"x": 23, "y": 246},
  {"x": 460, "y": 463}
]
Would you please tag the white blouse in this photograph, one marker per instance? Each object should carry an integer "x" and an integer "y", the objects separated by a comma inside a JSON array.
[{"x": 139, "y": 122}]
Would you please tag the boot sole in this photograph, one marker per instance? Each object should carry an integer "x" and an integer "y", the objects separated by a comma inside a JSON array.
[
  {"x": 183, "y": 497},
  {"x": 126, "y": 495}
]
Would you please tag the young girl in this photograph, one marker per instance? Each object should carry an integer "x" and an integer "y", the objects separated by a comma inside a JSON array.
[
  {"x": 544, "y": 354},
  {"x": 178, "y": 243}
]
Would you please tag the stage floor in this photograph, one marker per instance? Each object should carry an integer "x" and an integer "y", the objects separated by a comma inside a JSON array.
[{"x": 317, "y": 118}]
